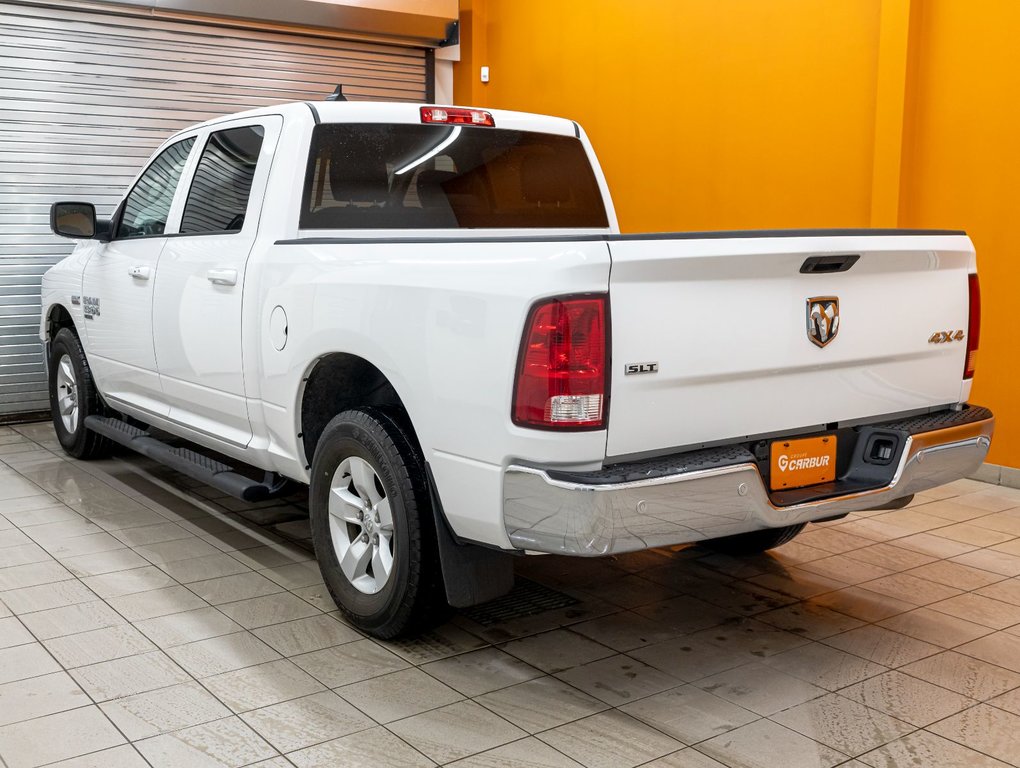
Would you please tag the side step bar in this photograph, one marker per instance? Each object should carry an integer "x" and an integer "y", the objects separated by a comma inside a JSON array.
[{"x": 185, "y": 461}]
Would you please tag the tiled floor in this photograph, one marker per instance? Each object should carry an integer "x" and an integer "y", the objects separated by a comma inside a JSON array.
[{"x": 147, "y": 620}]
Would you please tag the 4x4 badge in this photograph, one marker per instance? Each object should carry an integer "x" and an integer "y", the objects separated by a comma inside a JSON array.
[{"x": 822, "y": 319}]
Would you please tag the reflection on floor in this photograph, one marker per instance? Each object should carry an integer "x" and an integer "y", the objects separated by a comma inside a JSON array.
[{"x": 147, "y": 620}]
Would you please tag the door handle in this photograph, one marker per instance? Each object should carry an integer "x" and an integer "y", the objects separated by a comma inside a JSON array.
[
  {"x": 140, "y": 273},
  {"x": 222, "y": 276}
]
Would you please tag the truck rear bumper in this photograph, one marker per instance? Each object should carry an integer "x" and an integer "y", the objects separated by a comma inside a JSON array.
[{"x": 717, "y": 492}]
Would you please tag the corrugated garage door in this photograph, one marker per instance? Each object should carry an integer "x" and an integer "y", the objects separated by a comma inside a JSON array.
[{"x": 84, "y": 99}]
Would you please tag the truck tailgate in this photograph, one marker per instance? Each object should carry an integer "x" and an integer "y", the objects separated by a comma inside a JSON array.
[{"x": 725, "y": 321}]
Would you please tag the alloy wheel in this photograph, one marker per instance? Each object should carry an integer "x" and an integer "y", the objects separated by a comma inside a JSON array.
[
  {"x": 67, "y": 394},
  {"x": 361, "y": 525}
]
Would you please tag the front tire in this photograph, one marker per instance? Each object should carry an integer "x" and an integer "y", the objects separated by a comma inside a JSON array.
[
  {"x": 74, "y": 397},
  {"x": 372, "y": 526},
  {"x": 754, "y": 542}
]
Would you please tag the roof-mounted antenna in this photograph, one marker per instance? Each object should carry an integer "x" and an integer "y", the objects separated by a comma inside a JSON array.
[{"x": 337, "y": 95}]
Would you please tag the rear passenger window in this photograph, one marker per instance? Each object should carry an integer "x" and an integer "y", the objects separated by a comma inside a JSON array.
[
  {"x": 148, "y": 203},
  {"x": 220, "y": 190}
]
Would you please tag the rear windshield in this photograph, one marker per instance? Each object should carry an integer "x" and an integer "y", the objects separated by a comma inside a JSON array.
[{"x": 367, "y": 176}]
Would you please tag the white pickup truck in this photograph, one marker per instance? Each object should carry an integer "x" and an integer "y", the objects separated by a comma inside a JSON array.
[{"x": 429, "y": 316}]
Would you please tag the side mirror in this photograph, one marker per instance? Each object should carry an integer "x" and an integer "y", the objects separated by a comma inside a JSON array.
[{"x": 77, "y": 220}]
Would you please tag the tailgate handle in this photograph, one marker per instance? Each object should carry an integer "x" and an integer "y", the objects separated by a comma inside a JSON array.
[{"x": 828, "y": 264}]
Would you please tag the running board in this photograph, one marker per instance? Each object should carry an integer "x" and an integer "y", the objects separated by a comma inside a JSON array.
[{"x": 183, "y": 460}]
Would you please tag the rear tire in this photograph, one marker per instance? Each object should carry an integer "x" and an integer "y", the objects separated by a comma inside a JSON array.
[
  {"x": 754, "y": 542},
  {"x": 372, "y": 526},
  {"x": 74, "y": 397}
]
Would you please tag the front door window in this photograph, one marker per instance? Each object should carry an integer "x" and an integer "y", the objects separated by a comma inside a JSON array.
[{"x": 148, "y": 203}]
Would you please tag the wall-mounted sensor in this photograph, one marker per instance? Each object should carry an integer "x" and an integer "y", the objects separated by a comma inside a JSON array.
[{"x": 485, "y": 74}]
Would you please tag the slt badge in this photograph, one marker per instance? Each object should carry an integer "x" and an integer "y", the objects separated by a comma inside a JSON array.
[{"x": 822, "y": 319}]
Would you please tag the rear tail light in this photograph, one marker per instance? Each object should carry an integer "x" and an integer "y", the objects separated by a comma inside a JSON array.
[
  {"x": 973, "y": 326},
  {"x": 562, "y": 373},
  {"x": 457, "y": 116}
]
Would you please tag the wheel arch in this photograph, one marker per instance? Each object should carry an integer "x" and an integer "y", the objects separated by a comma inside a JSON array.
[
  {"x": 337, "y": 382},
  {"x": 57, "y": 316}
]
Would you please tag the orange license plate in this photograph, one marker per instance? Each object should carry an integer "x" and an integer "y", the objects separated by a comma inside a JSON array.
[{"x": 797, "y": 463}]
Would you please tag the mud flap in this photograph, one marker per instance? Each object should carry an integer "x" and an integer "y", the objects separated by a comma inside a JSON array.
[{"x": 472, "y": 574}]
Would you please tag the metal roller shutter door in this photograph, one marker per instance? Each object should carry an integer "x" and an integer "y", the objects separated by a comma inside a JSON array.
[{"x": 135, "y": 80}]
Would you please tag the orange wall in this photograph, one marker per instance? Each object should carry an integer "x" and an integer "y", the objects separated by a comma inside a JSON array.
[
  {"x": 962, "y": 169},
  {"x": 702, "y": 119},
  {"x": 737, "y": 114}
]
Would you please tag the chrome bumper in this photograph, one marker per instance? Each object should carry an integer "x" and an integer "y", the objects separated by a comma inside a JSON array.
[{"x": 545, "y": 514}]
